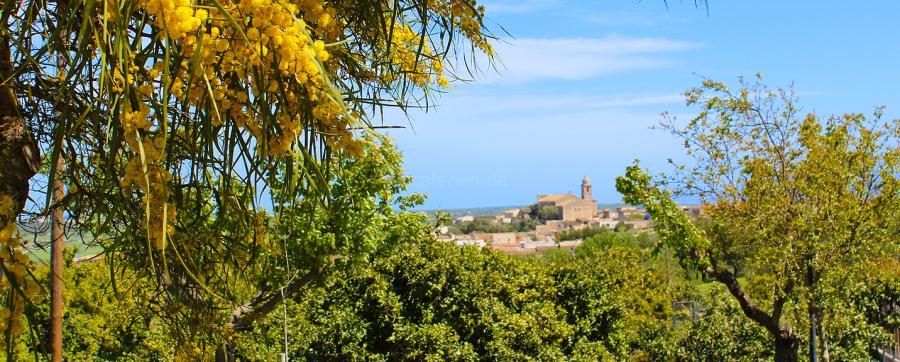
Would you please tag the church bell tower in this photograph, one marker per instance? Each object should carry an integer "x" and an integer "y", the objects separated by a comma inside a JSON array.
[{"x": 586, "y": 189}]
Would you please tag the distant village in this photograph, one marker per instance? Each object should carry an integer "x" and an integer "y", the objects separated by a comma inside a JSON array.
[{"x": 535, "y": 229}]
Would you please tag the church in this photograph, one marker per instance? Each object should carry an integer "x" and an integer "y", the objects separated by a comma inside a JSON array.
[{"x": 571, "y": 207}]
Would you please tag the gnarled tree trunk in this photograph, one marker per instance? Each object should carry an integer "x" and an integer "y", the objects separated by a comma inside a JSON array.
[
  {"x": 18, "y": 149},
  {"x": 786, "y": 342},
  {"x": 786, "y": 348}
]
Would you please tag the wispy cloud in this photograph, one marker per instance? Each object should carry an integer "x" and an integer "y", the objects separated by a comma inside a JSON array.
[
  {"x": 620, "y": 19},
  {"x": 516, "y": 6},
  {"x": 487, "y": 107},
  {"x": 532, "y": 59}
]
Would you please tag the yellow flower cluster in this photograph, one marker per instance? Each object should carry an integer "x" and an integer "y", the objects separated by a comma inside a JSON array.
[
  {"x": 259, "y": 233},
  {"x": 467, "y": 18},
  {"x": 270, "y": 40},
  {"x": 277, "y": 50},
  {"x": 273, "y": 49},
  {"x": 282, "y": 42},
  {"x": 265, "y": 66},
  {"x": 152, "y": 179},
  {"x": 176, "y": 16},
  {"x": 413, "y": 57},
  {"x": 15, "y": 265},
  {"x": 136, "y": 120}
]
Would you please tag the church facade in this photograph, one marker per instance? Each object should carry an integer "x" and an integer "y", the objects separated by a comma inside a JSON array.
[{"x": 571, "y": 207}]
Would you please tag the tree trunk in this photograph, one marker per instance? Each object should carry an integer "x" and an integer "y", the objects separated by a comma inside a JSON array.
[
  {"x": 823, "y": 339},
  {"x": 786, "y": 343},
  {"x": 222, "y": 352},
  {"x": 18, "y": 150},
  {"x": 786, "y": 349}
]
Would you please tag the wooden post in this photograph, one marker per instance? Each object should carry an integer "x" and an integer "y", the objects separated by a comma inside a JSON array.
[
  {"x": 57, "y": 242},
  {"x": 56, "y": 269}
]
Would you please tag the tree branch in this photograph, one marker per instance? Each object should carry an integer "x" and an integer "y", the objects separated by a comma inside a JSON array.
[
  {"x": 750, "y": 309},
  {"x": 267, "y": 299},
  {"x": 781, "y": 299}
]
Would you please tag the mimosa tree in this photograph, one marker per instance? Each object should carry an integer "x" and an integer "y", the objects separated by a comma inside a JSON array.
[{"x": 201, "y": 139}]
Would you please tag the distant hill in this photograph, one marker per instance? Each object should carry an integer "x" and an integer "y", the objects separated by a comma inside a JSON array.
[{"x": 494, "y": 210}]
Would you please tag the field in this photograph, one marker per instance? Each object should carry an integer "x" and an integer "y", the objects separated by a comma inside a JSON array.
[{"x": 37, "y": 244}]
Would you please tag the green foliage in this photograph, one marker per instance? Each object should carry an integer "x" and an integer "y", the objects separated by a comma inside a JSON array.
[
  {"x": 723, "y": 333},
  {"x": 859, "y": 306},
  {"x": 622, "y": 227},
  {"x": 442, "y": 218},
  {"x": 581, "y": 233},
  {"x": 490, "y": 226},
  {"x": 544, "y": 213},
  {"x": 597, "y": 244},
  {"x": 558, "y": 256},
  {"x": 523, "y": 225},
  {"x": 435, "y": 301},
  {"x": 674, "y": 227},
  {"x": 642, "y": 242},
  {"x": 879, "y": 295},
  {"x": 486, "y": 226},
  {"x": 105, "y": 324},
  {"x": 549, "y": 212}
]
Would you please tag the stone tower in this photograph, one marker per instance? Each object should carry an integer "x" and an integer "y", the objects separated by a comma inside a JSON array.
[{"x": 586, "y": 189}]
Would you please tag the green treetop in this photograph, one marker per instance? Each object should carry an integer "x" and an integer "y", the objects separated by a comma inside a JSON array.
[{"x": 798, "y": 196}]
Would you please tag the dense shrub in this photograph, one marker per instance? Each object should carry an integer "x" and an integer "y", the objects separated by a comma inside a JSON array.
[{"x": 436, "y": 301}]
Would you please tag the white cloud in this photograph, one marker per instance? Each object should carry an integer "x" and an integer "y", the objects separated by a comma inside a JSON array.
[
  {"x": 532, "y": 59},
  {"x": 482, "y": 106},
  {"x": 499, "y": 109}
]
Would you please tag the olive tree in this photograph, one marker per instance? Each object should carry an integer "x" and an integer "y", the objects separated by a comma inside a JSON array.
[{"x": 798, "y": 196}]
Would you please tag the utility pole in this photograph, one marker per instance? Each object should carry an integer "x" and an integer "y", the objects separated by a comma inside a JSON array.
[{"x": 57, "y": 242}]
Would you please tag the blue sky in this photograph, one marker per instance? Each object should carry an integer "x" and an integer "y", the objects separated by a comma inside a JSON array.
[{"x": 582, "y": 82}]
